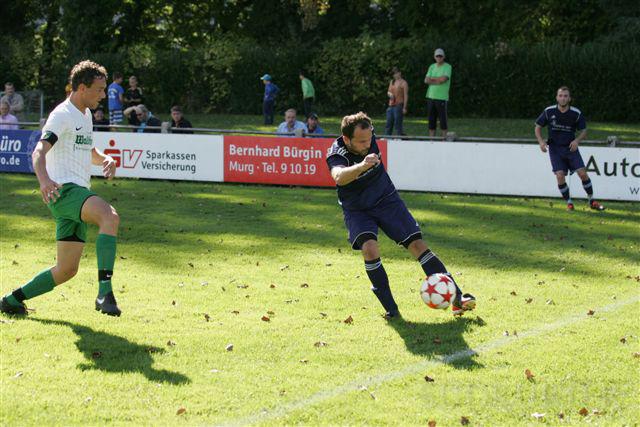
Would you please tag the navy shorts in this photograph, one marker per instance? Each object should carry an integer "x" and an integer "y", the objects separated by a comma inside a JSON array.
[
  {"x": 565, "y": 160},
  {"x": 391, "y": 215}
]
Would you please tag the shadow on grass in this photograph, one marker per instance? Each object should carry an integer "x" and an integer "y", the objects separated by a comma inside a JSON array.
[
  {"x": 111, "y": 353},
  {"x": 442, "y": 341},
  {"x": 192, "y": 218}
]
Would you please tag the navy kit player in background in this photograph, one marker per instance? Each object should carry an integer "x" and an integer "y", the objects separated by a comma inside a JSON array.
[
  {"x": 370, "y": 201},
  {"x": 564, "y": 120}
]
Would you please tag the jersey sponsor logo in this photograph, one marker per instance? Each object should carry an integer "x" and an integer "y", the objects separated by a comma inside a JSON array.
[
  {"x": 83, "y": 140},
  {"x": 127, "y": 159}
]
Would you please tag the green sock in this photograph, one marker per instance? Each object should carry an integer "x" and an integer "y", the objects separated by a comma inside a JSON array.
[
  {"x": 40, "y": 284},
  {"x": 106, "y": 251}
]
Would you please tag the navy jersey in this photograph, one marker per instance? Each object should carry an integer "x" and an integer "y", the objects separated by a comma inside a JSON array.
[
  {"x": 562, "y": 126},
  {"x": 370, "y": 187}
]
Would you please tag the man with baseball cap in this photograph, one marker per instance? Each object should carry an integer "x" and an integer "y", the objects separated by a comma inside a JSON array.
[
  {"x": 269, "y": 100},
  {"x": 438, "y": 78}
]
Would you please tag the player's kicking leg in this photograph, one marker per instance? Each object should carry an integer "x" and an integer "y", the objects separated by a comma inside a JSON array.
[
  {"x": 97, "y": 211},
  {"x": 431, "y": 264}
]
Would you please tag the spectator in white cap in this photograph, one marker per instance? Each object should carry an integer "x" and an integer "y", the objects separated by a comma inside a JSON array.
[{"x": 438, "y": 78}]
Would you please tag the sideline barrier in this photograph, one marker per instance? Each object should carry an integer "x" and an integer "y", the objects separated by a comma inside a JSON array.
[{"x": 456, "y": 167}]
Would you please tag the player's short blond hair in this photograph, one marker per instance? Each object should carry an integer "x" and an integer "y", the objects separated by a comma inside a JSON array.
[
  {"x": 349, "y": 123},
  {"x": 85, "y": 72}
]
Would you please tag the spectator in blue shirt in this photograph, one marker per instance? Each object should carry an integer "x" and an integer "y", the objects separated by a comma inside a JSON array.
[
  {"x": 115, "y": 93},
  {"x": 290, "y": 124},
  {"x": 269, "y": 100},
  {"x": 313, "y": 125}
]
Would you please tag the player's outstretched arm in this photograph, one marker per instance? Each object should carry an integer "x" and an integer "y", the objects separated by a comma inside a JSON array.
[
  {"x": 108, "y": 164},
  {"x": 48, "y": 187},
  {"x": 343, "y": 175},
  {"x": 541, "y": 141}
]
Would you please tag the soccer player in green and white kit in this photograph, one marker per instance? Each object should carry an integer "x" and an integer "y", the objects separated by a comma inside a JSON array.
[{"x": 62, "y": 162}]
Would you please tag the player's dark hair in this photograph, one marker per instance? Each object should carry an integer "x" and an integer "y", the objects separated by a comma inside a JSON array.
[
  {"x": 86, "y": 72},
  {"x": 349, "y": 123},
  {"x": 117, "y": 75},
  {"x": 563, "y": 88},
  {"x": 176, "y": 108}
]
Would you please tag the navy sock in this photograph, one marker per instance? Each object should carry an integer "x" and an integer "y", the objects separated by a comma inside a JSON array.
[
  {"x": 431, "y": 264},
  {"x": 588, "y": 188},
  {"x": 564, "y": 190},
  {"x": 380, "y": 284}
]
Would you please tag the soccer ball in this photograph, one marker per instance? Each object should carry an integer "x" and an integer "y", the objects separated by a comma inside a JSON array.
[{"x": 438, "y": 291}]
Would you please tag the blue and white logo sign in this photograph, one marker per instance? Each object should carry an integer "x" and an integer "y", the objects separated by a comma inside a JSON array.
[{"x": 16, "y": 147}]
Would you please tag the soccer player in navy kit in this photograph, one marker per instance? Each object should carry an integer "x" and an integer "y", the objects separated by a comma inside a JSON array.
[
  {"x": 564, "y": 120},
  {"x": 370, "y": 201}
]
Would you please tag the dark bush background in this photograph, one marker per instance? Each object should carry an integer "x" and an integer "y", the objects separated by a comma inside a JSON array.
[{"x": 208, "y": 56}]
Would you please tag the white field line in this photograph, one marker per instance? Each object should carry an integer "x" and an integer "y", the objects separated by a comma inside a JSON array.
[{"x": 366, "y": 382}]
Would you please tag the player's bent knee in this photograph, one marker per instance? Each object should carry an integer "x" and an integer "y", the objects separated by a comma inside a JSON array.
[
  {"x": 370, "y": 249},
  {"x": 65, "y": 273}
]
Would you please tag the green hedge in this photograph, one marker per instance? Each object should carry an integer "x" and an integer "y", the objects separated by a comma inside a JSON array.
[{"x": 500, "y": 80}]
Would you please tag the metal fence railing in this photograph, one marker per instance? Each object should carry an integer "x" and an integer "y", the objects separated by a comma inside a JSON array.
[{"x": 611, "y": 141}]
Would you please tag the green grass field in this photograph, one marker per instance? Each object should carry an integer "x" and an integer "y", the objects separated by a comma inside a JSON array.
[
  {"x": 464, "y": 127},
  {"x": 199, "y": 265}
]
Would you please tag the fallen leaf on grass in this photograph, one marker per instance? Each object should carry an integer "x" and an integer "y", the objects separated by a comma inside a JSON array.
[
  {"x": 18, "y": 374},
  {"x": 304, "y": 285},
  {"x": 207, "y": 317},
  {"x": 284, "y": 267},
  {"x": 18, "y": 339},
  {"x": 590, "y": 313},
  {"x": 323, "y": 315},
  {"x": 320, "y": 344},
  {"x": 96, "y": 355},
  {"x": 266, "y": 318},
  {"x": 529, "y": 374},
  {"x": 171, "y": 343},
  {"x": 561, "y": 415},
  {"x": 505, "y": 333},
  {"x": 229, "y": 347},
  {"x": 328, "y": 264},
  {"x": 598, "y": 412},
  {"x": 584, "y": 412},
  {"x": 123, "y": 257},
  {"x": 181, "y": 411},
  {"x": 623, "y": 340},
  {"x": 636, "y": 354},
  {"x": 348, "y": 320},
  {"x": 173, "y": 302},
  {"x": 431, "y": 423},
  {"x": 437, "y": 341},
  {"x": 190, "y": 264},
  {"x": 538, "y": 415},
  {"x": 464, "y": 421},
  {"x": 242, "y": 286},
  {"x": 272, "y": 286},
  {"x": 428, "y": 379},
  {"x": 304, "y": 360},
  {"x": 514, "y": 293},
  {"x": 550, "y": 302},
  {"x": 529, "y": 300},
  {"x": 235, "y": 312},
  {"x": 271, "y": 313},
  {"x": 14, "y": 262}
]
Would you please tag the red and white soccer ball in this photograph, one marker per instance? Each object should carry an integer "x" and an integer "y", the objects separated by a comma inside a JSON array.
[{"x": 438, "y": 291}]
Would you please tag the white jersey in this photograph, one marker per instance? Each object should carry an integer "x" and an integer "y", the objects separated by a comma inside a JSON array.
[{"x": 69, "y": 160}]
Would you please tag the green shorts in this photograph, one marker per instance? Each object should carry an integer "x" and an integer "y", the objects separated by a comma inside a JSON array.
[{"x": 66, "y": 210}]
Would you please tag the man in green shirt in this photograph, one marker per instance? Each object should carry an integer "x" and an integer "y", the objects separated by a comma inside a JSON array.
[
  {"x": 308, "y": 94},
  {"x": 438, "y": 78}
]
